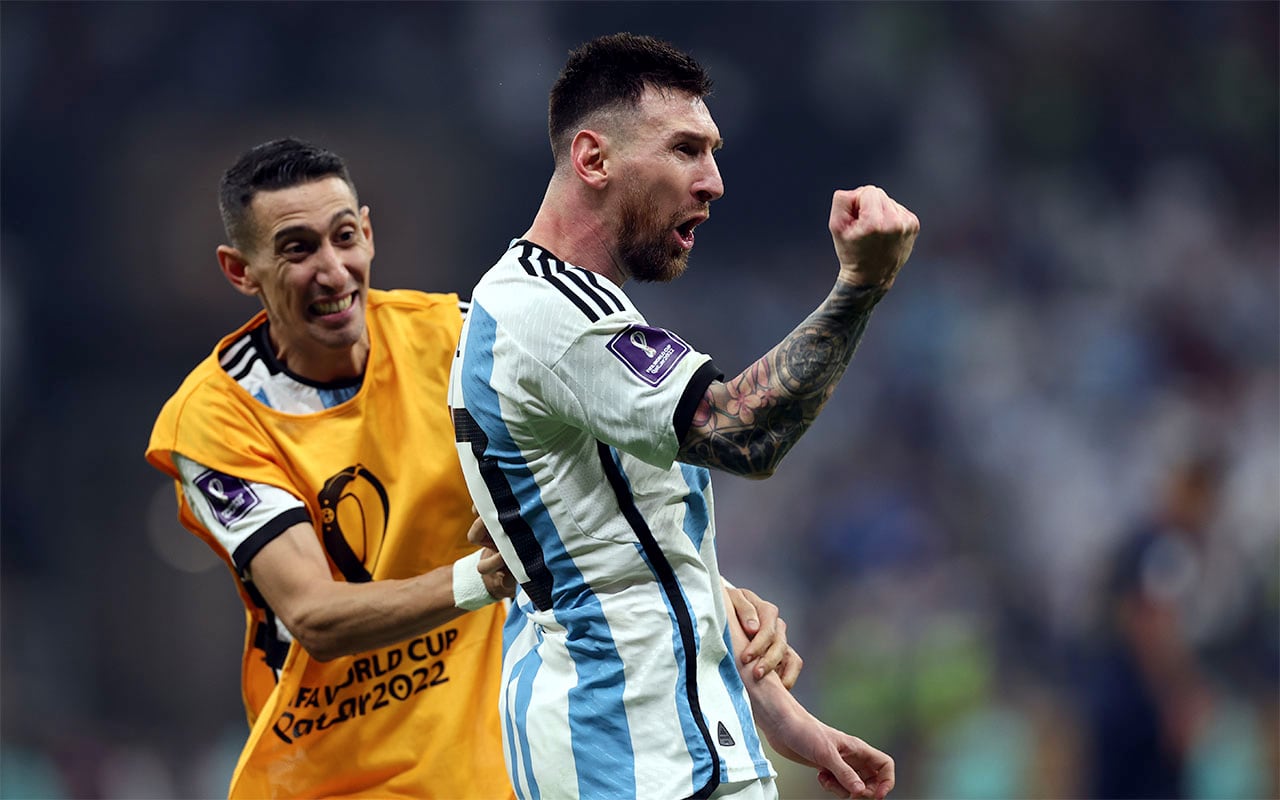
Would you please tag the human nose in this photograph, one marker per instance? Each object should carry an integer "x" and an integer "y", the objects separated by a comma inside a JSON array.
[
  {"x": 330, "y": 270},
  {"x": 709, "y": 186}
]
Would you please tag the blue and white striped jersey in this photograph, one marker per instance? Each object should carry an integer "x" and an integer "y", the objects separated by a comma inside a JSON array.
[{"x": 618, "y": 678}]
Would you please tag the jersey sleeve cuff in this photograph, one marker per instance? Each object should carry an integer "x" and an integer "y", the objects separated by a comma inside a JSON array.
[
  {"x": 693, "y": 392},
  {"x": 259, "y": 538}
]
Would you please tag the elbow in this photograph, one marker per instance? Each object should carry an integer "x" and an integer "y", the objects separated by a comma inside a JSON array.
[
  {"x": 320, "y": 651},
  {"x": 761, "y": 467},
  {"x": 317, "y": 639}
]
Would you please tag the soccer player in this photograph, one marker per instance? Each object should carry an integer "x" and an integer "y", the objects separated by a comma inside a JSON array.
[
  {"x": 585, "y": 436},
  {"x": 312, "y": 450}
]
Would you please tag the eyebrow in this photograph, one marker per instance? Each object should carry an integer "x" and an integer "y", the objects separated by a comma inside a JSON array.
[
  {"x": 701, "y": 137},
  {"x": 294, "y": 230}
]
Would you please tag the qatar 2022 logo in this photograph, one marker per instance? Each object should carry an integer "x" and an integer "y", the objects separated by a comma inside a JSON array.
[{"x": 353, "y": 521}]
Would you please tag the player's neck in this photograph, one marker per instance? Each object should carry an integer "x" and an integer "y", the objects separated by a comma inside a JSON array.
[
  {"x": 575, "y": 232},
  {"x": 320, "y": 364}
]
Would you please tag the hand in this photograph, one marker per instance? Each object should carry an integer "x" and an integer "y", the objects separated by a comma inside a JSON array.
[
  {"x": 497, "y": 579},
  {"x": 873, "y": 236},
  {"x": 478, "y": 534},
  {"x": 847, "y": 766},
  {"x": 768, "y": 634}
]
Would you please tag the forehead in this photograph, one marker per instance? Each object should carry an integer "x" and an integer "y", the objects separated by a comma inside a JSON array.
[
  {"x": 665, "y": 111},
  {"x": 311, "y": 205}
]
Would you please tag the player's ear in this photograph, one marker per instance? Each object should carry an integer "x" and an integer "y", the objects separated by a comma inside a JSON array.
[
  {"x": 236, "y": 269},
  {"x": 587, "y": 156}
]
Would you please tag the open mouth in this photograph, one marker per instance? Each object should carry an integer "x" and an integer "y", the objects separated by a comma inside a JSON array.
[
  {"x": 324, "y": 308},
  {"x": 684, "y": 231}
]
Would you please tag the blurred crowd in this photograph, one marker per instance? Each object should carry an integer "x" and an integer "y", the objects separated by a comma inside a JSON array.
[{"x": 1031, "y": 548}]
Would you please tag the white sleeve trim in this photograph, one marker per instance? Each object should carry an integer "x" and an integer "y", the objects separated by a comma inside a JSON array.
[{"x": 230, "y": 508}]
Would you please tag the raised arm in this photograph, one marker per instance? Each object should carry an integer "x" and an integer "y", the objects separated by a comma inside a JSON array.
[{"x": 747, "y": 424}]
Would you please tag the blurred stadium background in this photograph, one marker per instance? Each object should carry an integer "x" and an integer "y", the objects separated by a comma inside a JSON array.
[{"x": 1093, "y": 299}]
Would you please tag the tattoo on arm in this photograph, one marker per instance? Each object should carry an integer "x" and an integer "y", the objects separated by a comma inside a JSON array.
[{"x": 746, "y": 425}]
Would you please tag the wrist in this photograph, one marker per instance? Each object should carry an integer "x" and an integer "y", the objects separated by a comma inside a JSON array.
[
  {"x": 469, "y": 590},
  {"x": 850, "y": 297},
  {"x": 861, "y": 284}
]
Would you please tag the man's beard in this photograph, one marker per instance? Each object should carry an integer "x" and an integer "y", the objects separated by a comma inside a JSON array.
[{"x": 646, "y": 248}]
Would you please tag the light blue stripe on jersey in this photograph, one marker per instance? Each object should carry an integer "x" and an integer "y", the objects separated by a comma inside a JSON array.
[
  {"x": 696, "y": 517},
  {"x": 696, "y": 745},
  {"x": 332, "y": 397},
  {"x": 733, "y": 683},
  {"x": 695, "y": 527},
  {"x": 522, "y": 675},
  {"x": 598, "y": 729}
]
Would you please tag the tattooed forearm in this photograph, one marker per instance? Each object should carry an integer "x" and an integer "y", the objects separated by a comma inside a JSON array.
[{"x": 746, "y": 425}]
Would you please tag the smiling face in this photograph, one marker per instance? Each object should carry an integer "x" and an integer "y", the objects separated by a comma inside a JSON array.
[
  {"x": 308, "y": 261},
  {"x": 667, "y": 180}
]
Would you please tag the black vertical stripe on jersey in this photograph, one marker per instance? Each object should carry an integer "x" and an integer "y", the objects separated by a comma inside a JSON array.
[
  {"x": 539, "y": 585},
  {"x": 607, "y": 292},
  {"x": 246, "y": 368},
  {"x": 572, "y": 274},
  {"x": 262, "y": 340},
  {"x": 558, "y": 266},
  {"x": 527, "y": 261},
  {"x": 233, "y": 363},
  {"x": 671, "y": 588},
  {"x": 232, "y": 353}
]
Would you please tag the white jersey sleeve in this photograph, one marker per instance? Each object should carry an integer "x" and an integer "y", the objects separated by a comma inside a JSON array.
[
  {"x": 631, "y": 383},
  {"x": 243, "y": 516}
]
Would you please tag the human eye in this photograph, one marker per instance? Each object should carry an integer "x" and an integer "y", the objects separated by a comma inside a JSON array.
[
  {"x": 347, "y": 234},
  {"x": 295, "y": 249}
]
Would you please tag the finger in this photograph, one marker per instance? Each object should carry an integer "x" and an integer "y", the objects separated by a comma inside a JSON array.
[
  {"x": 775, "y": 653},
  {"x": 885, "y": 779},
  {"x": 845, "y": 209},
  {"x": 875, "y": 766},
  {"x": 843, "y": 772},
  {"x": 789, "y": 669},
  {"x": 830, "y": 784},
  {"x": 479, "y": 534},
  {"x": 490, "y": 562},
  {"x": 744, "y": 605}
]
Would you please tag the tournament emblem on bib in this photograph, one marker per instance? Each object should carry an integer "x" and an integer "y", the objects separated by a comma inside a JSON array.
[
  {"x": 353, "y": 519},
  {"x": 650, "y": 353}
]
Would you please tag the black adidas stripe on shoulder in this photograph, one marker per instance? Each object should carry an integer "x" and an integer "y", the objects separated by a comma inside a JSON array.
[
  {"x": 581, "y": 286},
  {"x": 234, "y": 351}
]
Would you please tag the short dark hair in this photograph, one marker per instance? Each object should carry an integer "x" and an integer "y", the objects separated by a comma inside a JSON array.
[
  {"x": 613, "y": 70},
  {"x": 278, "y": 164}
]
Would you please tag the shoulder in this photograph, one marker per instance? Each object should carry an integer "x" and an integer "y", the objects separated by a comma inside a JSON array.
[
  {"x": 412, "y": 310},
  {"x": 205, "y": 407},
  {"x": 529, "y": 278},
  {"x": 410, "y": 301}
]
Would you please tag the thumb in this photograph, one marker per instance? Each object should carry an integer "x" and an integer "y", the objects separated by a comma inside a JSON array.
[{"x": 829, "y": 783}]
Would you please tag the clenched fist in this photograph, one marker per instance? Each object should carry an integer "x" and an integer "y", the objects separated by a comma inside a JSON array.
[{"x": 873, "y": 235}]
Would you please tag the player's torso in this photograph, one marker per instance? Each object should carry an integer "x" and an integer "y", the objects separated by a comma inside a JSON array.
[
  {"x": 623, "y": 662},
  {"x": 385, "y": 493}
]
